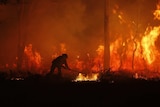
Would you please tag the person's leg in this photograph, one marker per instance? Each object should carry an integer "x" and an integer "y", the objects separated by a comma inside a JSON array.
[
  {"x": 52, "y": 68},
  {"x": 59, "y": 72}
]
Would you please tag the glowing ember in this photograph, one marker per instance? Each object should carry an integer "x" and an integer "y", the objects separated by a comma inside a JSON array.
[
  {"x": 89, "y": 77},
  {"x": 137, "y": 76},
  {"x": 17, "y": 78}
]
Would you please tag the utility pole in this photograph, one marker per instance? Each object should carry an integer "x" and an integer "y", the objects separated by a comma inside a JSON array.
[{"x": 106, "y": 36}]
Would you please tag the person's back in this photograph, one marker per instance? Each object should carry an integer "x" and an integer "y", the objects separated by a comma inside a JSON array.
[{"x": 57, "y": 61}]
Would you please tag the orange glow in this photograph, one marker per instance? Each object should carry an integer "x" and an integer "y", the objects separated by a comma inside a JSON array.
[
  {"x": 78, "y": 30},
  {"x": 156, "y": 13},
  {"x": 88, "y": 77},
  {"x": 63, "y": 48},
  {"x": 137, "y": 55},
  {"x": 148, "y": 43},
  {"x": 98, "y": 60},
  {"x": 32, "y": 59},
  {"x": 79, "y": 64}
]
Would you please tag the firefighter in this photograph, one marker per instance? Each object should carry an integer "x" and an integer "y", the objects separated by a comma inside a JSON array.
[{"x": 59, "y": 62}]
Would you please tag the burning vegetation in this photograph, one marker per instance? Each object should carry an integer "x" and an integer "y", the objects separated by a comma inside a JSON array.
[
  {"x": 137, "y": 53},
  {"x": 77, "y": 29}
]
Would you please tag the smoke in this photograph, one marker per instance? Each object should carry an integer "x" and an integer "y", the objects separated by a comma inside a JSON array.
[
  {"x": 78, "y": 24},
  {"x": 8, "y": 33},
  {"x": 129, "y": 21},
  {"x": 131, "y": 14},
  {"x": 48, "y": 23}
]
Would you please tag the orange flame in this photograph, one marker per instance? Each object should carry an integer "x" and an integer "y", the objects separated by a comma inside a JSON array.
[
  {"x": 148, "y": 43},
  {"x": 91, "y": 77},
  {"x": 126, "y": 53},
  {"x": 32, "y": 58},
  {"x": 134, "y": 54},
  {"x": 98, "y": 60},
  {"x": 156, "y": 13}
]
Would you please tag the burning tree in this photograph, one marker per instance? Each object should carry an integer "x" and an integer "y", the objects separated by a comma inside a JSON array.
[
  {"x": 111, "y": 36},
  {"x": 137, "y": 53},
  {"x": 32, "y": 59}
]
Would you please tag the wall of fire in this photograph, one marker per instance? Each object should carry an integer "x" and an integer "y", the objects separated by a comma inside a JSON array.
[{"x": 33, "y": 32}]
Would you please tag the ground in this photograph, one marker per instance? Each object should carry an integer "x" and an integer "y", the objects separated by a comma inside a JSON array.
[{"x": 62, "y": 92}]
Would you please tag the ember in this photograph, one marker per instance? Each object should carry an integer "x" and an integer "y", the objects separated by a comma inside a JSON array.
[{"x": 88, "y": 77}]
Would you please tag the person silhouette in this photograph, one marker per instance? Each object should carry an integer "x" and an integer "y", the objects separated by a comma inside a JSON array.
[{"x": 59, "y": 62}]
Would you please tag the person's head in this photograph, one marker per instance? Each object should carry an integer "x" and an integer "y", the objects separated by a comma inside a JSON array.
[{"x": 65, "y": 55}]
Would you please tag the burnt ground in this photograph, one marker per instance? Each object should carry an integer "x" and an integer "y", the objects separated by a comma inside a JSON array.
[{"x": 62, "y": 92}]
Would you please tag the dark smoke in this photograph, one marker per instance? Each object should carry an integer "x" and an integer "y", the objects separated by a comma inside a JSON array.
[
  {"x": 48, "y": 23},
  {"x": 79, "y": 24}
]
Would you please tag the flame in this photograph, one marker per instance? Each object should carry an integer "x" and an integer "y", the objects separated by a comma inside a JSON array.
[
  {"x": 138, "y": 55},
  {"x": 156, "y": 13},
  {"x": 97, "y": 66},
  {"x": 98, "y": 60},
  {"x": 148, "y": 44},
  {"x": 32, "y": 58},
  {"x": 91, "y": 77},
  {"x": 79, "y": 64}
]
